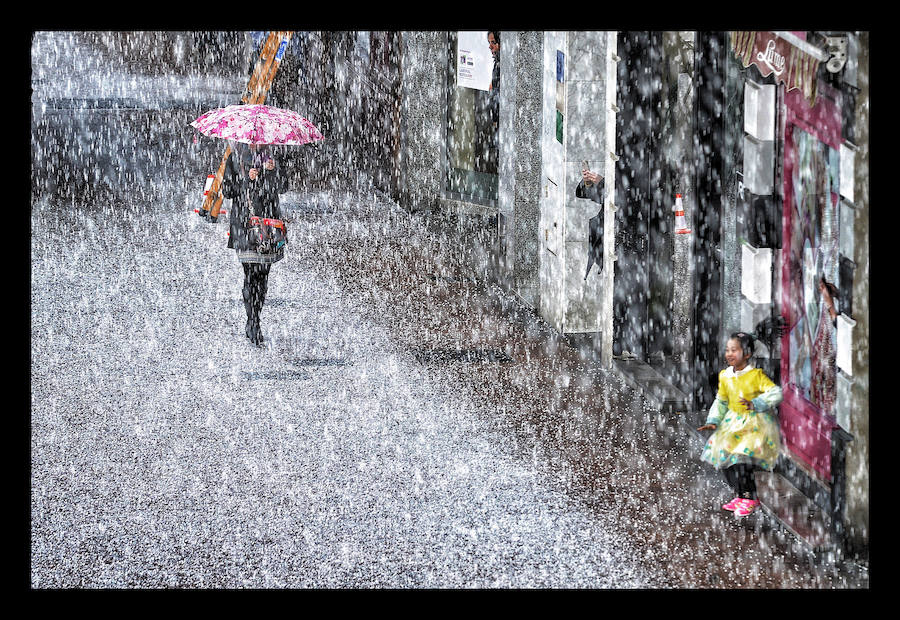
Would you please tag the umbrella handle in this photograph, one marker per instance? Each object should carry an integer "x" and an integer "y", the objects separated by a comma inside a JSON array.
[{"x": 244, "y": 180}]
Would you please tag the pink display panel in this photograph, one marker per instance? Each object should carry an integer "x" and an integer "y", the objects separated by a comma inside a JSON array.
[{"x": 812, "y": 138}]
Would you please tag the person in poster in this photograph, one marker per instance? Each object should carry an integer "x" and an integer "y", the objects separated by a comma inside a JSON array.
[{"x": 487, "y": 107}]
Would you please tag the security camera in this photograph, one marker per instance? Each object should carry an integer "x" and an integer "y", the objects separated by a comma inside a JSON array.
[{"x": 837, "y": 49}]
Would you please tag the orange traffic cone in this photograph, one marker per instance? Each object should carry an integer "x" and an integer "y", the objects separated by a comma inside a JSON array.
[
  {"x": 209, "y": 182},
  {"x": 680, "y": 221}
]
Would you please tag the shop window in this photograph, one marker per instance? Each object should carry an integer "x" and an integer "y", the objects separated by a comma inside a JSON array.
[
  {"x": 844, "y": 348},
  {"x": 847, "y": 219},
  {"x": 473, "y": 115},
  {"x": 846, "y": 268},
  {"x": 759, "y": 221}
]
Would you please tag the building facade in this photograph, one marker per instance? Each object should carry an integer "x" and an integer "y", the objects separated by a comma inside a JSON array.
[{"x": 762, "y": 135}]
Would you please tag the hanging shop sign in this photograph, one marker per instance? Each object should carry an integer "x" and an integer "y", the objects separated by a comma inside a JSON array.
[{"x": 790, "y": 59}]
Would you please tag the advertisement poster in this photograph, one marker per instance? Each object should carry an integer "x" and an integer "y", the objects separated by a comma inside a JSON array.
[{"x": 474, "y": 63}]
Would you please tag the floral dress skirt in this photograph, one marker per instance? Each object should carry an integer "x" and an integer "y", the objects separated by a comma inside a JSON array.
[{"x": 750, "y": 437}]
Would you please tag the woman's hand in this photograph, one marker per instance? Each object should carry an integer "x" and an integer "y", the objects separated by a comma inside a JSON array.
[
  {"x": 253, "y": 174},
  {"x": 828, "y": 297},
  {"x": 591, "y": 177},
  {"x": 707, "y": 427},
  {"x": 747, "y": 403}
]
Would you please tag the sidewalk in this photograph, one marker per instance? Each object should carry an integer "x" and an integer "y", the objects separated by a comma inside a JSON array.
[
  {"x": 447, "y": 258},
  {"x": 792, "y": 511},
  {"x": 786, "y": 504},
  {"x": 168, "y": 451},
  {"x": 405, "y": 425}
]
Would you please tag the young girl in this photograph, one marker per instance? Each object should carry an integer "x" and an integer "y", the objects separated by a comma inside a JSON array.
[{"x": 746, "y": 437}]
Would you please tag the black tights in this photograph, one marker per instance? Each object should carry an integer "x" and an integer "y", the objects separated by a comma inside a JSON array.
[
  {"x": 740, "y": 477},
  {"x": 256, "y": 281}
]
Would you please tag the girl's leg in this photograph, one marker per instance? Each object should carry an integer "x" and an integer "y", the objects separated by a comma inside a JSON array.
[
  {"x": 731, "y": 477},
  {"x": 746, "y": 481},
  {"x": 749, "y": 502},
  {"x": 740, "y": 477}
]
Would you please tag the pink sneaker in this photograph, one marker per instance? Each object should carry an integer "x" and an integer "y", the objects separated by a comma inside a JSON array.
[
  {"x": 732, "y": 504},
  {"x": 746, "y": 507}
]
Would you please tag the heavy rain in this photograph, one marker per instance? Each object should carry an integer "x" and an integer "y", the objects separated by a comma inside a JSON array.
[{"x": 408, "y": 422}]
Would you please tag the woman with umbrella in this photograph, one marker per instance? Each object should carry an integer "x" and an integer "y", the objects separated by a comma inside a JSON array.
[{"x": 253, "y": 181}]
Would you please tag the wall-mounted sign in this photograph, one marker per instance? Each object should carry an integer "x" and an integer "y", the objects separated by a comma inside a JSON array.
[
  {"x": 560, "y": 94},
  {"x": 756, "y": 274},
  {"x": 759, "y": 110},
  {"x": 844, "y": 355},
  {"x": 474, "y": 62}
]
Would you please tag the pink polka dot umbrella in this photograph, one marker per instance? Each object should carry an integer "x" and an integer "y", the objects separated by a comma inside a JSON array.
[{"x": 257, "y": 124}]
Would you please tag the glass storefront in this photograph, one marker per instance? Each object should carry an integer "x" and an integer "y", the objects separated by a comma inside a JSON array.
[{"x": 473, "y": 114}]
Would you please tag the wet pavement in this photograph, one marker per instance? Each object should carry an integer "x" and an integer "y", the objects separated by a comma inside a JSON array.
[
  {"x": 408, "y": 424},
  {"x": 167, "y": 451},
  {"x": 609, "y": 446}
]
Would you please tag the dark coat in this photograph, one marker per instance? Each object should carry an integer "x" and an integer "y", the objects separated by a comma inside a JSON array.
[
  {"x": 259, "y": 196},
  {"x": 595, "y": 251}
]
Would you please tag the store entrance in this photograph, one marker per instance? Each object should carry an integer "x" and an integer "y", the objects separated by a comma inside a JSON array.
[{"x": 642, "y": 293}]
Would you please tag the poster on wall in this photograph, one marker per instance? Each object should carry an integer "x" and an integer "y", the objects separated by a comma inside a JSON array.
[
  {"x": 813, "y": 259},
  {"x": 474, "y": 62}
]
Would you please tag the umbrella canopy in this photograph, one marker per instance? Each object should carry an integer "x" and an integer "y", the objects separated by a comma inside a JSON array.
[{"x": 257, "y": 124}]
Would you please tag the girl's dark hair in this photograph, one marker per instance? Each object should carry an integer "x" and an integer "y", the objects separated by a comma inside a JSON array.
[{"x": 747, "y": 341}]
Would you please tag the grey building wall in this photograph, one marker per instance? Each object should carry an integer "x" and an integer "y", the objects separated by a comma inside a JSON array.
[
  {"x": 590, "y": 93},
  {"x": 857, "y": 463},
  {"x": 677, "y": 143}
]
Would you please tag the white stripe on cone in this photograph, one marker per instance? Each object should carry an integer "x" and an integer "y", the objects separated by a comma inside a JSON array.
[{"x": 680, "y": 221}]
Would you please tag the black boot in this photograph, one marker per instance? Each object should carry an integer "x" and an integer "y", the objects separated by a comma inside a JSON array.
[
  {"x": 251, "y": 329},
  {"x": 256, "y": 330},
  {"x": 259, "y": 298}
]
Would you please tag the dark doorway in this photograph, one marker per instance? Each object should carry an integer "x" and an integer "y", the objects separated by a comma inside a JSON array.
[
  {"x": 643, "y": 284},
  {"x": 709, "y": 147},
  {"x": 382, "y": 114}
]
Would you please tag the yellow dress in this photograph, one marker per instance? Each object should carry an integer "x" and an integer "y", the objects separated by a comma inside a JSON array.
[{"x": 744, "y": 435}]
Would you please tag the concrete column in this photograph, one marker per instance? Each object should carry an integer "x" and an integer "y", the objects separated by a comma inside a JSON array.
[
  {"x": 423, "y": 106},
  {"x": 521, "y": 58},
  {"x": 506, "y": 187},
  {"x": 857, "y": 457},
  {"x": 609, "y": 222}
]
